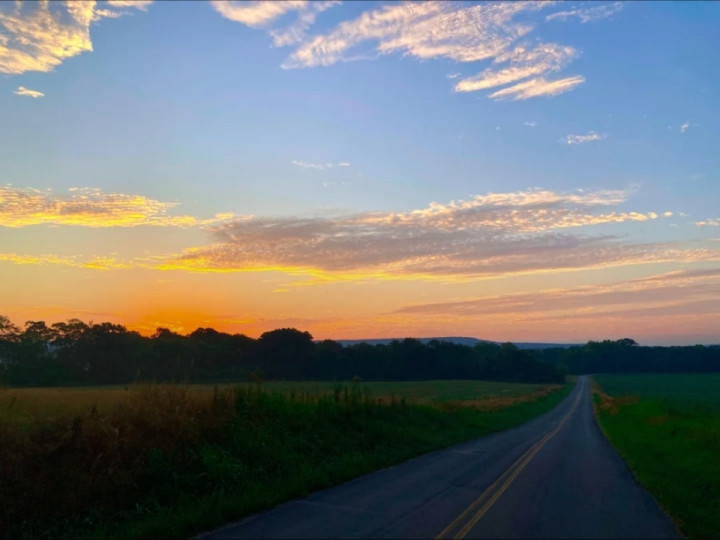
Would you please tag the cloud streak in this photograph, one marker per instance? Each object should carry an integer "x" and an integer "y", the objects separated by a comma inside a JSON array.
[
  {"x": 22, "y": 91},
  {"x": 538, "y": 87},
  {"x": 257, "y": 14},
  {"x": 419, "y": 29},
  {"x": 295, "y": 32},
  {"x": 712, "y": 222},
  {"x": 590, "y": 136},
  {"x": 318, "y": 166},
  {"x": 88, "y": 208},
  {"x": 587, "y": 15},
  {"x": 673, "y": 301},
  {"x": 95, "y": 263},
  {"x": 524, "y": 63},
  {"x": 261, "y": 14}
]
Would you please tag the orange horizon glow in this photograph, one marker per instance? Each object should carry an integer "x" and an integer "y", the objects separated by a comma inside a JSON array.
[{"x": 265, "y": 301}]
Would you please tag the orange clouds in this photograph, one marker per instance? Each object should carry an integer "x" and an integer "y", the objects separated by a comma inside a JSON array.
[
  {"x": 488, "y": 235},
  {"x": 496, "y": 234},
  {"x": 95, "y": 263},
  {"x": 88, "y": 208}
]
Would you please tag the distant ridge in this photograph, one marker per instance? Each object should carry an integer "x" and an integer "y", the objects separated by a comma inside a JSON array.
[{"x": 459, "y": 340}]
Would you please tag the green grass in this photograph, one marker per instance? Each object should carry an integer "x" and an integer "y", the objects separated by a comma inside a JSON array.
[
  {"x": 33, "y": 404},
  {"x": 667, "y": 428},
  {"x": 170, "y": 461},
  {"x": 419, "y": 391},
  {"x": 702, "y": 389}
]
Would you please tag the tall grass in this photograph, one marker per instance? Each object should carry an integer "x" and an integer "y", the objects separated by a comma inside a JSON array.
[
  {"x": 165, "y": 461},
  {"x": 38, "y": 404},
  {"x": 667, "y": 428}
]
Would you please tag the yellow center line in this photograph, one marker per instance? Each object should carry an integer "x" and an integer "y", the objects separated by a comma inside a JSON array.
[{"x": 497, "y": 488}]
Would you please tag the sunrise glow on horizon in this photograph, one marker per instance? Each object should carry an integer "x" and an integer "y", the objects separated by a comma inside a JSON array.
[{"x": 511, "y": 171}]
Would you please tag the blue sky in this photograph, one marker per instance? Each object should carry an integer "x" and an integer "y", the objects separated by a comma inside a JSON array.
[{"x": 419, "y": 153}]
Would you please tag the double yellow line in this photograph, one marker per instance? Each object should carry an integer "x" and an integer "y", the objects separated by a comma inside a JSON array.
[{"x": 485, "y": 501}]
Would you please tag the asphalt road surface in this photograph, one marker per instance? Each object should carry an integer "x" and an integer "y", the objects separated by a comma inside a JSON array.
[{"x": 554, "y": 477}]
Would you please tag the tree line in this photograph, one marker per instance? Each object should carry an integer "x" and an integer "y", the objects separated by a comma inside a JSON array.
[
  {"x": 626, "y": 356},
  {"x": 74, "y": 352},
  {"x": 79, "y": 353}
]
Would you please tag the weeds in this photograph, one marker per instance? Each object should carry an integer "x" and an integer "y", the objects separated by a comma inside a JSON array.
[{"x": 167, "y": 461}]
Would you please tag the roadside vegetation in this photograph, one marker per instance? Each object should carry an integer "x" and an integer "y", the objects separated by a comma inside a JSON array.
[
  {"x": 41, "y": 404},
  {"x": 171, "y": 460},
  {"x": 667, "y": 428}
]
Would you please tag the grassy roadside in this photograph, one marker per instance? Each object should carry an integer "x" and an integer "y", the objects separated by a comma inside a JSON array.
[
  {"x": 667, "y": 428},
  {"x": 31, "y": 405},
  {"x": 165, "y": 462}
]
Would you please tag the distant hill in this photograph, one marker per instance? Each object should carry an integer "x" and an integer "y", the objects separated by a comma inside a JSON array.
[
  {"x": 547, "y": 345},
  {"x": 459, "y": 340}
]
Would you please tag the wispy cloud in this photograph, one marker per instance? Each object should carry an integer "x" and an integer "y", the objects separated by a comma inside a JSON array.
[
  {"x": 487, "y": 235},
  {"x": 530, "y": 124},
  {"x": 684, "y": 127},
  {"x": 524, "y": 63},
  {"x": 94, "y": 263},
  {"x": 419, "y": 29},
  {"x": 22, "y": 91},
  {"x": 38, "y": 36},
  {"x": 137, "y": 4},
  {"x": 261, "y": 14},
  {"x": 425, "y": 30},
  {"x": 601, "y": 298},
  {"x": 538, "y": 87},
  {"x": 318, "y": 166},
  {"x": 580, "y": 139},
  {"x": 295, "y": 32},
  {"x": 676, "y": 294},
  {"x": 88, "y": 208},
  {"x": 713, "y": 222},
  {"x": 257, "y": 14},
  {"x": 586, "y": 15}
]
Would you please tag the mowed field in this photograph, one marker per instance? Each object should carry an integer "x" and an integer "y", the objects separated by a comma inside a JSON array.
[
  {"x": 173, "y": 460},
  {"x": 667, "y": 427},
  {"x": 29, "y": 404}
]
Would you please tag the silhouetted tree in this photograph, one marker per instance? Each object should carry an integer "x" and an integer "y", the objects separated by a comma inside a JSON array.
[{"x": 285, "y": 352}]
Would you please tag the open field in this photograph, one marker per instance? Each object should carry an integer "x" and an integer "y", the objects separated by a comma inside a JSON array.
[
  {"x": 702, "y": 389},
  {"x": 667, "y": 427},
  {"x": 172, "y": 460},
  {"x": 30, "y": 404}
]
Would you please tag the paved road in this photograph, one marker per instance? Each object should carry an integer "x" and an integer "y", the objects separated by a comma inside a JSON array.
[{"x": 554, "y": 477}]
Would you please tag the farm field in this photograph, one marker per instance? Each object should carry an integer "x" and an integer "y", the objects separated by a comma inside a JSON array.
[
  {"x": 29, "y": 404},
  {"x": 667, "y": 428},
  {"x": 173, "y": 460}
]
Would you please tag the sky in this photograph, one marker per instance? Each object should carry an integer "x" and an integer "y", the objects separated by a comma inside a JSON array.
[{"x": 522, "y": 171}]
